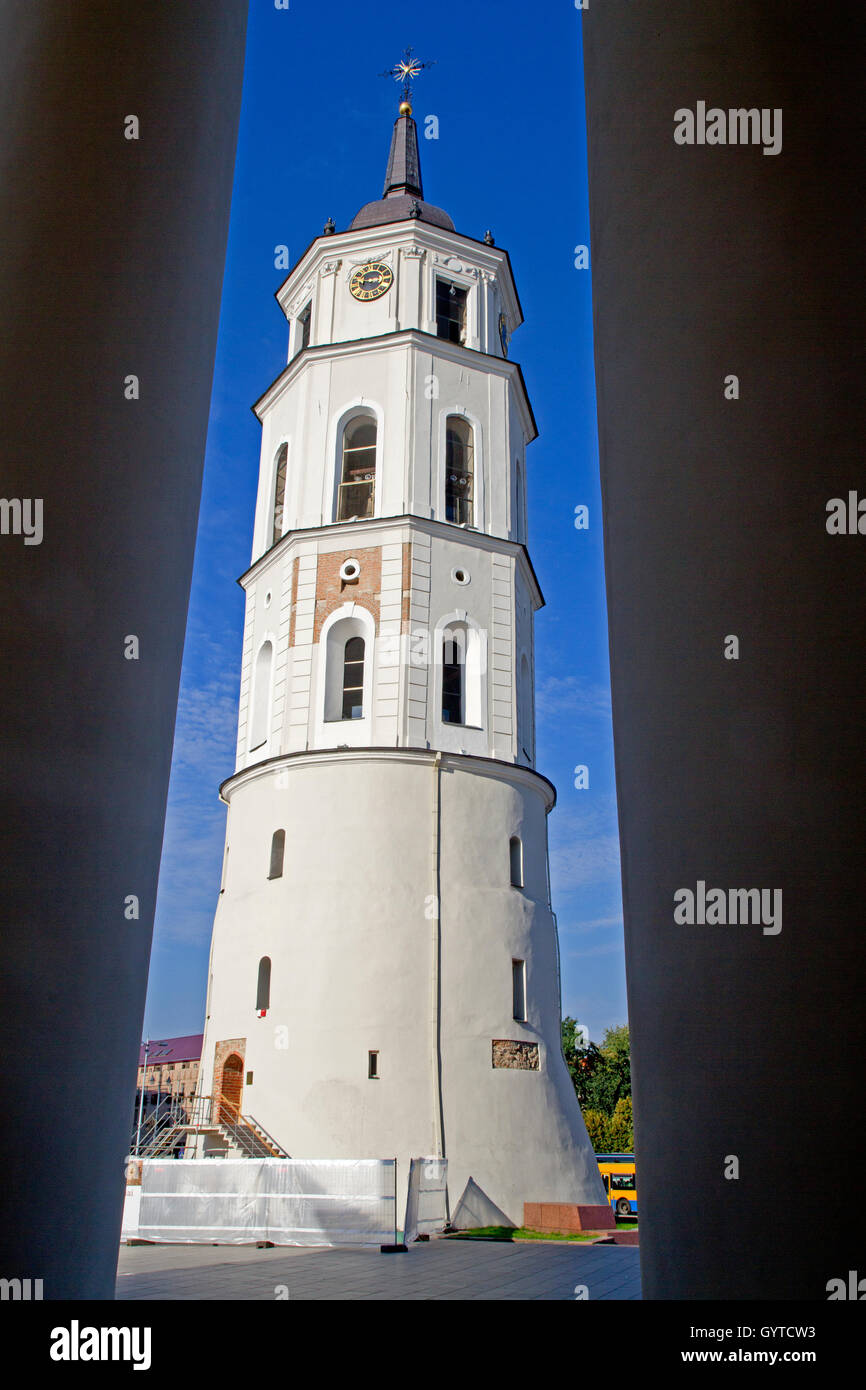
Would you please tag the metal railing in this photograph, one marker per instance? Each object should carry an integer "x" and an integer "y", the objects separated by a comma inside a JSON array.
[{"x": 171, "y": 1125}]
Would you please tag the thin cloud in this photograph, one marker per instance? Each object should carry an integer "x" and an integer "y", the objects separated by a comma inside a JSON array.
[
  {"x": 572, "y": 696},
  {"x": 580, "y": 928},
  {"x": 584, "y": 846},
  {"x": 204, "y": 749},
  {"x": 606, "y": 948}
]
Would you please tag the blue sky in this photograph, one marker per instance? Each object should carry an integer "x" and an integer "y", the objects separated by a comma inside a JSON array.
[{"x": 314, "y": 135}]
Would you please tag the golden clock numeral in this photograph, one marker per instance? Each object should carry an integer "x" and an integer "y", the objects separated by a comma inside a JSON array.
[{"x": 370, "y": 281}]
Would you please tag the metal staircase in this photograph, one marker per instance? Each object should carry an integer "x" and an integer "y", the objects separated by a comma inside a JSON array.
[{"x": 214, "y": 1119}]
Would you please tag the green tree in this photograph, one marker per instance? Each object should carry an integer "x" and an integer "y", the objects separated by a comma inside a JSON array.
[
  {"x": 597, "y": 1127},
  {"x": 620, "y": 1130},
  {"x": 582, "y": 1062},
  {"x": 611, "y": 1080},
  {"x": 601, "y": 1075}
]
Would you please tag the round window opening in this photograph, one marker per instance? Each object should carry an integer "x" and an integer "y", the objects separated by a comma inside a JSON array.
[
  {"x": 268, "y": 597},
  {"x": 349, "y": 571},
  {"x": 460, "y": 576}
]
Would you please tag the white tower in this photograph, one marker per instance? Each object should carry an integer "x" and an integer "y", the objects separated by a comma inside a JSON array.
[{"x": 384, "y": 967}]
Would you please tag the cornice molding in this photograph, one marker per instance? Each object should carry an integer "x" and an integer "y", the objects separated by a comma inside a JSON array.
[
  {"x": 450, "y": 762},
  {"x": 455, "y": 352},
  {"x": 400, "y": 235},
  {"x": 406, "y": 522}
]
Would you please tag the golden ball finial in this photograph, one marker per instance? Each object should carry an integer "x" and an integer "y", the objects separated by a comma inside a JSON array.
[{"x": 405, "y": 108}]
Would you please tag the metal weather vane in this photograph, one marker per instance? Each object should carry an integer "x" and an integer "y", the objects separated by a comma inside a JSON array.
[{"x": 406, "y": 70}]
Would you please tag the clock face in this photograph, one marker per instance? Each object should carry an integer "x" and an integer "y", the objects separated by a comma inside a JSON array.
[
  {"x": 503, "y": 334},
  {"x": 370, "y": 281}
]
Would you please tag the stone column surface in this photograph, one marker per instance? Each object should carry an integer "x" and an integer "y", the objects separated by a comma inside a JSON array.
[
  {"x": 712, "y": 261},
  {"x": 112, "y": 262}
]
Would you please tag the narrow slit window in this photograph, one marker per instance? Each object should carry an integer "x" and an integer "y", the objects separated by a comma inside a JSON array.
[
  {"x": 373, "y": 1066},
  {"x": 278, "y": 850},
  {"x": 263, "y": 985},
  {"x": 353, "y": 679},
  {"x": 515, "y": 849},
  {"x": 518, "y": 990}
]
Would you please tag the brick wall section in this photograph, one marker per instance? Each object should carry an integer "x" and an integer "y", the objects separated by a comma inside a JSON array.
[
  {"x": 332, "y": 592},
  {"x": 222, "y": 1050},
  {"x": 519, "y": 1056},
  {"x": 407, "y": 583}
]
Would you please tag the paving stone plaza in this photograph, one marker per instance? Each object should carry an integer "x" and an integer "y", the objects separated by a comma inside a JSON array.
[{"x": 440, "y": 1269}]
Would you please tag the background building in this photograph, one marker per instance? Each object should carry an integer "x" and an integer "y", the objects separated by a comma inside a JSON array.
[{"x": 171, "y": 1073}]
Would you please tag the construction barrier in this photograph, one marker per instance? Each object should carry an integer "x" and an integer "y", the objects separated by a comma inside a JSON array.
[
  {"x": 426, "y": 1198},
  {"x": 284, "y": 1201}
]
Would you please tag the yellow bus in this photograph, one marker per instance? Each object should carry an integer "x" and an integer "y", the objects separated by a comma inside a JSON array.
[{"x": 618, "y": 1175}]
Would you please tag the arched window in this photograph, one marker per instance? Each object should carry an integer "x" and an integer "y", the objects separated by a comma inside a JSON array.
[
  {"x": 278, "y": 849},
  {"x": 280, "y": 493},
  {"x": 353, "y": 679},
  {"x": 454, "y": 676},
  {"x": 461, "y": 657},
  {"x": 459, "y": 471},
  {"x": 263, "y": 986},
  {"x": 357, "y": 469},
  {"x": 515, "y": 850},
  {"x": 346, "y": 661},
  {"x": 261, "y": 696}
]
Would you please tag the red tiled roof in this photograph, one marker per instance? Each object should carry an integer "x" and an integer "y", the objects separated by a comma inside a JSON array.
[{"x": 169, "y": 1050}]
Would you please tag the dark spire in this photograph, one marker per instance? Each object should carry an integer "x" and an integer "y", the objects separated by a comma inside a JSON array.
[
  {"x": 404, "y": 163},
  {"x": 403, "y": 194}
]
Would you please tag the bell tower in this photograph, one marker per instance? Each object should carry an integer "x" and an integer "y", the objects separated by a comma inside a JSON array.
[{"x": 385, "y": 958}]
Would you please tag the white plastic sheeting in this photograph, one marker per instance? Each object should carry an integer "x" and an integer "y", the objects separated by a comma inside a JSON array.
[
  {"x": 294, "y": 1201},
  {"x": 426, "y": 1198},
  {"x": 131, "y": 1207}
]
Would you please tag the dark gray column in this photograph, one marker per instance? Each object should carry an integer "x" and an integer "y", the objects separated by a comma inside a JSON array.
[
  {"x": 709, "y": 261},
  {"x": 111, "y": 265}
]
